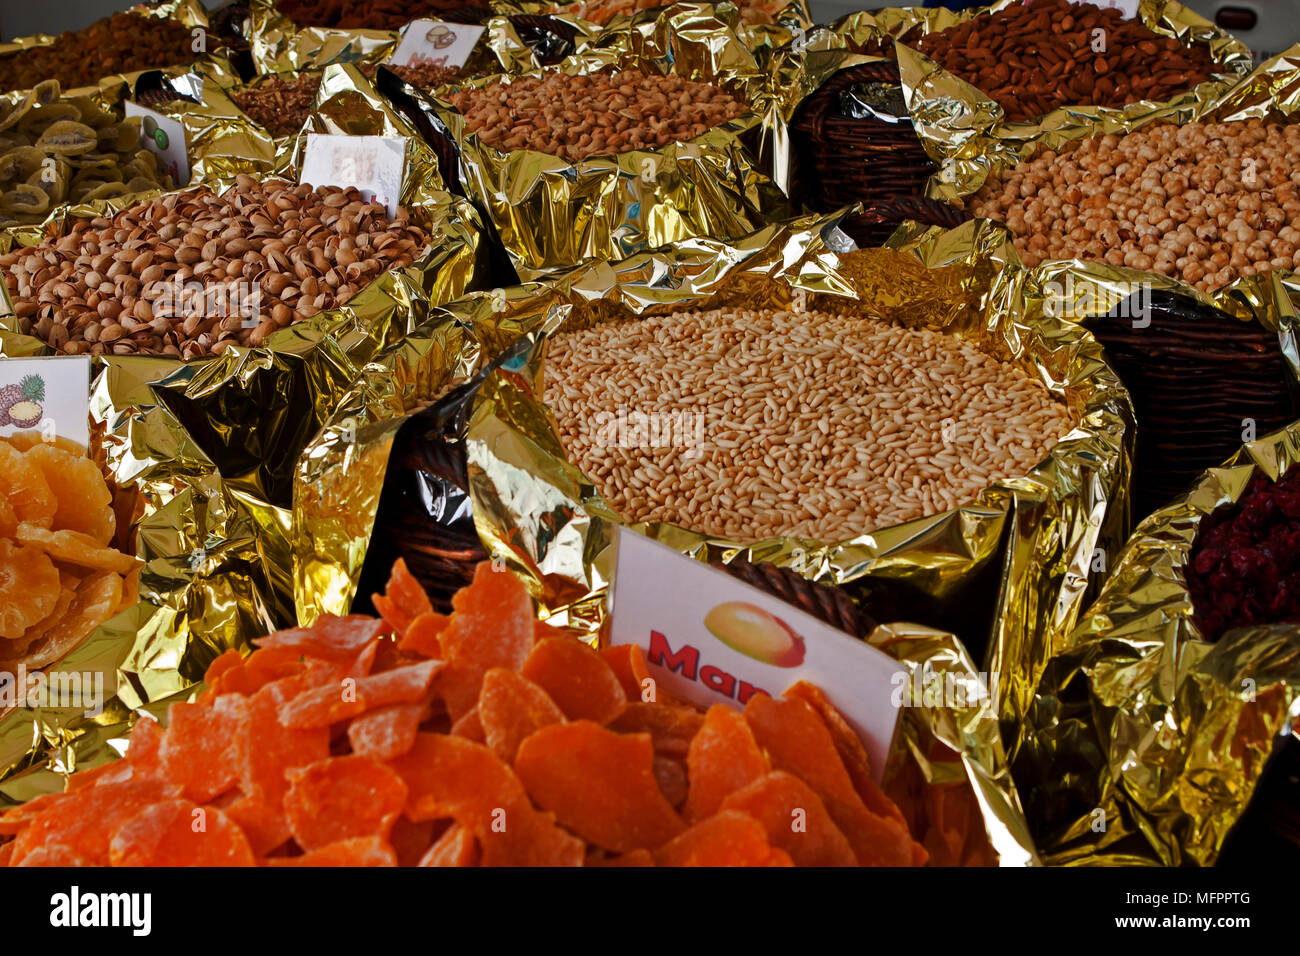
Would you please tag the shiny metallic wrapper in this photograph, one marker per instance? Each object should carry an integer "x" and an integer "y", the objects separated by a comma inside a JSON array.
[
  {"x": 1145, "y": 742},
  {"x": 552, "y": 215},
  {"x": 1006, "y": 573},
  {"x": 965, "y": 131},
  {"x": 208, "y": 449}
]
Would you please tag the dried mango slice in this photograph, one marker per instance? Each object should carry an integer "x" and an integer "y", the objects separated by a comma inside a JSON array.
[
  {"x": 723, "y": 757},
  {"x": 386, "y": 732},
  {"x": 84, "y": 503},
  {"x": 226, "y": 661},
  {"x": 458, "y": 778},
  {"x": 403, "y": 599},
  {"x": 358, "y": 851},
  {"x": 795, "y": 819},
  {"x": 85, "y": 821},
  {"x": 469, "y": 726},
  {"x": 29, "y": 589},
  {"x": 322, "y": 706},
  {"x": 492, "y": 627},
  {"x": 15, "y": 819},
  {"x": 265, "y": 826},
  {"x": 421, "y": 635},
  {"x": 6, "y": 851},
  {"x": 629, "y": 665},
  {"x": 850, "y": 748},
  {"x": 510, "y": 708},
  {"x": 270, "y": 748},
  {"x": 599, "y": 784},
  {"x": 342, "y": 798},
  {"x": 670, "y": 726},
  {"x": 330, "y": 636},
  {"x": 459, "y": 686},
  {"x": 456, "y": 847},
  {"x": 201, "y": 749},
  {"x": 179, "y": 833},
  {"x": 97, "y": 599},
  {"x": 75, "y": 548},
  {"x": 729, "y": 838},
  {"x": 53, "y": 854},
  {"x": 67, "y": 595},
  {"x": 798, "y": 742},
  {"x": 22, "y": 483},
  {"x": 577, "y": 678}
]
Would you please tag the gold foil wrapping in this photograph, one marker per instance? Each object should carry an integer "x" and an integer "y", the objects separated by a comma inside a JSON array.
[
  {"x": 1145, "y": 742},
  {"x": 208, "y": 447},
  {"x": 552, "y": 214}
]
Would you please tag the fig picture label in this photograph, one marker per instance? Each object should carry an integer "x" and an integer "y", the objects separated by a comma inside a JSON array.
[
  {"x": 433, "y": 43},
  {"x": 48, "y": 394},
  {"x": 711, "y": 638},
  {"x": 375, "y": 165},
  {"x": 165, "y": 138}
]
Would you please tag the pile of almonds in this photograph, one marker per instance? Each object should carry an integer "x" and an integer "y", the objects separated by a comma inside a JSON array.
[
  {"x": 191, "y": 273},
  {"x": 1207, "y": 203},
  {"x": 575, "y": 117},
  {"x": 1033, "y": 58}
]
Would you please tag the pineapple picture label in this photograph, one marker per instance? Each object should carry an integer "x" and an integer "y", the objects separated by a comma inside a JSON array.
[{"x": 49, "y": 394}]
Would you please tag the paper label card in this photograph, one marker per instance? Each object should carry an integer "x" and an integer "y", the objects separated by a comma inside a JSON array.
[
  {"x": 49, "y": 394},
  {"x": 712, "y": 638},
  {"x": 434, "y": 43},
  {"x": 165, "y": 138},
  {"x": 373, "y": 164}
]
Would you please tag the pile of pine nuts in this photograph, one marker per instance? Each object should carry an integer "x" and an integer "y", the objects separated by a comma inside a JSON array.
[
  {"x": 754, "y": 424},
  {"x": 1206, "y": 203},
  {"x": 190, "y": 273},
  {"x": 575, "y": 117}
]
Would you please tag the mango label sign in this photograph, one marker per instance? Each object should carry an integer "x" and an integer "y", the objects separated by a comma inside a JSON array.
[{"x": 711, "y": 638}]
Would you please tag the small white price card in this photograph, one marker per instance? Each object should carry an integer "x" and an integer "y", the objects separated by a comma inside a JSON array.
[
  {"x": 373, "y": 164},
  {"x": 49, "y": 394},
  {"x": 714, "y": 639},
  {"x": 165, "y": 138},
  {"x": 433, "y": 43}
]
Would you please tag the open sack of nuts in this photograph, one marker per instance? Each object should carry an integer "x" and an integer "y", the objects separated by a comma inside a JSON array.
[
  {"x": 994, "y": 82},
  {"x": 612, "y": 153},
  {"x": 843, "y": 417},
  {"x": 1180, "y": 684},
  {"x": 226, "y": 320},
  {"x": 147, "y": 36}
]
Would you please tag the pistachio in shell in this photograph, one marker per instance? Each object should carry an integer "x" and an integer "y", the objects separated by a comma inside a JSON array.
[{"x": 69, "y": 138}]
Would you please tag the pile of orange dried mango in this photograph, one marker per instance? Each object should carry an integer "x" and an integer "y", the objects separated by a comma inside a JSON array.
[{"x": 480, "y": 738}]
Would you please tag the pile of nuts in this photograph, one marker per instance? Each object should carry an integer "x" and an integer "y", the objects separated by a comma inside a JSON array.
[
  {"x": 1205, "y": 203},
  {"x": 754, "y": 424},
  {"x": 602, "y": 11},
  {"x": 283, "y": 105},
  {"x": 1036, "y": 57},
  {"x": 121, "y": 43},
  {"x": 365, "y": 14},
  {"x": 575, "y": 117},
  {"x": 191, "y": 273}
]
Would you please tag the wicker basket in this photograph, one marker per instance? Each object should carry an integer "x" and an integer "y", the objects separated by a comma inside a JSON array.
[
  {"x": 842, "y": 159},
  {"x": 878, "y": 220},
  {"x": 1198, "y": 377}
]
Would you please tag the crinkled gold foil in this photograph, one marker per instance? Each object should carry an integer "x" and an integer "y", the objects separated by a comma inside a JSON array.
[
  {"x": 278, "y": 45},
  {"x": 1145, "y": 742},
  {"x": 964, "y": 130},
  {"x": 209, "y": 447},
  {"x": 552, "y": 214}
]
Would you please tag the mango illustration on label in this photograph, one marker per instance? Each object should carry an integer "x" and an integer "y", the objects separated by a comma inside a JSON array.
[{"x": 756, "y": 633}]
